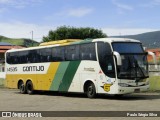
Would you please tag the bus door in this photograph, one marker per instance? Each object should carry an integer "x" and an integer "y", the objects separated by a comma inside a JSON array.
[{"x": 107, "y": 66}]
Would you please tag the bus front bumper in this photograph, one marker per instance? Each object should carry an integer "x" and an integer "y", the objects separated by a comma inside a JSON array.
[{"x": 138, "y": 89}]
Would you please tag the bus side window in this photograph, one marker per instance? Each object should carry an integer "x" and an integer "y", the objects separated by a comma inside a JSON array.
[
  {"x": 32, "y": 56},
  {"x": 48, "y": 54},
  {"x": 58, "y": 54},
  {"x": 44, "y": 55},
  {"x": 14, "y": 58},
  {"x": 72, "y": 52},
  {"x": 54, "y": 53},
  {"x": 23, "y": 57},
  {"x": 87, "y": 51},
  {"x": 9, "y": 61}
]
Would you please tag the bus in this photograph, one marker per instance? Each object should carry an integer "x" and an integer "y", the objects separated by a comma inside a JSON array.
[{"x": 93, "y": 66}]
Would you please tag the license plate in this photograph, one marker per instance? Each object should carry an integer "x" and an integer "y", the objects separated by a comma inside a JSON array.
[{"x": 136, "y": 90}]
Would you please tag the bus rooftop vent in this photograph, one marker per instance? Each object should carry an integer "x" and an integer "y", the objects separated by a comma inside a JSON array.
[{"x": 65, "y": 41}]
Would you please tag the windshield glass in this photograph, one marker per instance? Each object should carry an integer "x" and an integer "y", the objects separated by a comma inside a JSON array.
[
  {"x": 128, "y": 47},
  {"x": 134, "y": 61}
]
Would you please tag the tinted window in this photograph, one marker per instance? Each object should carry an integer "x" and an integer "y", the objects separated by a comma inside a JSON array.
[
  {"x": 12, "y": 58},
  {"x": 8, "y": 58},
  {"x": 32, "y": 56},
  {"x": 106, "y": 59},
  {"x": 23, "y": 56},
  {"x": 61, "y": 53},
  {"x": 45, "y": 55},
  {"x": 58, "y": 54},
  {"x": 87, "y": 51},
  {"x": 127, "y": 47},
  {"x": 72, "y": 52}
]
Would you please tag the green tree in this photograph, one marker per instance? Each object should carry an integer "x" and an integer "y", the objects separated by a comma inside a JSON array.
[{"x": 66, "y": 32}]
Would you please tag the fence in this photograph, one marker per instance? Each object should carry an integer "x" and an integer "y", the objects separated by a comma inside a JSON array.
[{"x": 154, "y": 70}]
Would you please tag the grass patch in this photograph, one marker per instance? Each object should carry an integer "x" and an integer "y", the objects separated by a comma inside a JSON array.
[
  {"x": 19, "y": 42},
  {"x": 154, "y": 83}
]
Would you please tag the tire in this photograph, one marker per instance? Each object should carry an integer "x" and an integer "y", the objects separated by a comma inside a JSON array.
[
  {"x": 91, "y": 90},
  {"x": 29, "y": 88},
  {"x": 22, "y": 88},
  {"x": 118, "y": 95}
]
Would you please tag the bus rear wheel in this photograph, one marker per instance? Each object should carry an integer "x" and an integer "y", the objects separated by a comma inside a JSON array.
[
  {"x": 22, "y": 88},
  {"x": 29, "y": 87},
  {"x": 91, "y": 91}
]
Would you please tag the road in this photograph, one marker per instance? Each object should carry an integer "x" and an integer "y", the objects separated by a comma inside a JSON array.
[{"x": 12, "y": 100}]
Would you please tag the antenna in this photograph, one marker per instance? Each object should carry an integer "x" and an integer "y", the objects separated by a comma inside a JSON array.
[{"x": 32, "y": 34}]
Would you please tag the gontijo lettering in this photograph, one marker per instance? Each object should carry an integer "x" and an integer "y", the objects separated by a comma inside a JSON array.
[{"x": 33, "y": 68}]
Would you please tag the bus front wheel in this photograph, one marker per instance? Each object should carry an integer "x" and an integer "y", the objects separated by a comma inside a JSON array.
[
  {"x": 91, "y": 91},
  {"x": 29, "y": 87}
]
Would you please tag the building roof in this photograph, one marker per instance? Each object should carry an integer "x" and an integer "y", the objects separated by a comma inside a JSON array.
[
  {"x": 5, "y": 44},
  {"x": 154, "y": 50}
]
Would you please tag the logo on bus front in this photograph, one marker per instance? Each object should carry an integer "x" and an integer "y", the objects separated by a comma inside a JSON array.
[{"x": 106, "y": 87}]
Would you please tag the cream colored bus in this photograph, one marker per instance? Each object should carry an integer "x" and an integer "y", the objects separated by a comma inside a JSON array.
[{"x": 95, "y": 66}]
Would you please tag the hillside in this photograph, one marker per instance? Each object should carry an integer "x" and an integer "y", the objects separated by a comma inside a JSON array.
[
  {"x": 20, "y": 42},
  {"x": 149, "y": 39}
]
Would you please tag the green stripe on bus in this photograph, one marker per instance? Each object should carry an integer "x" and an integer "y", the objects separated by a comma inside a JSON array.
[
  {"x": 59, "y": 76},
  {"x": 69, "y": 75}
]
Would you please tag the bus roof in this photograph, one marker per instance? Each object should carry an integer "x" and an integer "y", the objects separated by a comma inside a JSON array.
[
  {"x": 66, "y": 41},
  {"x": 76, "y": 41},
  {"x": 110, "y": 40}
]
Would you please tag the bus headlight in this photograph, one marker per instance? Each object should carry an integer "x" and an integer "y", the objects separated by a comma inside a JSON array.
[{"x": 123, "y": 84}]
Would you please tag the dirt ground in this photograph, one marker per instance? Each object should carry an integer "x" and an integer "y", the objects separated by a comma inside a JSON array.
[{"x": 12, "y": 100}]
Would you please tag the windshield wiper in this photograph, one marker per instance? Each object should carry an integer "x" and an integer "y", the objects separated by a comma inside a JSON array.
[{"x": 140, "y": 69}]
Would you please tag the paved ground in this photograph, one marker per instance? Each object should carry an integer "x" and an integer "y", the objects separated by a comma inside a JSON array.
[{"x": 12, "y": 100}]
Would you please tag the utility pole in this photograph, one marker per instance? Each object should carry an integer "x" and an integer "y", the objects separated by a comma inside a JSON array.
[{"x": 32, "y": 34}]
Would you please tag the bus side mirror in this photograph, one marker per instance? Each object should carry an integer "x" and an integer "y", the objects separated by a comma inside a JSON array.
[
  {"x": 153, "y": 56},
  {"x": 118, "y": 56}
]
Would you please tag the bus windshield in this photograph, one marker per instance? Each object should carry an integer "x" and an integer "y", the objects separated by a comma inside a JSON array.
[{"x": 134, "y": 61}]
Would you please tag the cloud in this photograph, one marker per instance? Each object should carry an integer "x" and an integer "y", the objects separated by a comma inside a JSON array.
[
  {"x": 4, "y": 1},
  {"x": 23, "y": 30},
  {"x": 19, "y": 3},
  {"x": 73, "y": 12},
  {"x": 79, "y": 12},
  {"x": 151, "y": 4},
  {"x": 122, "y": 6},
  {"x": 126, "y": 31}
]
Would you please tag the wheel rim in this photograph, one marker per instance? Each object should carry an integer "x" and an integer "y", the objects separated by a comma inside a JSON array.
[
  {"x": 29, "y": 87},
  {"x": 90, "y": 90},
  {"x": 22, "y": 87}
]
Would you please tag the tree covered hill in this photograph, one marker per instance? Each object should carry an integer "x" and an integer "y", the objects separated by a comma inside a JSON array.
[
  {"x": 149, "y": 39},
  {"x": 21, "y": 42}
]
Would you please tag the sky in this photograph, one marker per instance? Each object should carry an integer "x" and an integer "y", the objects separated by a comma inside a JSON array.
[{"x": 18, "y": 18}]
